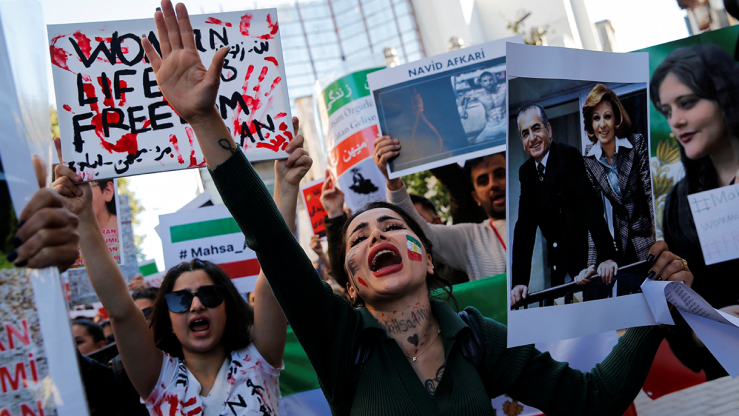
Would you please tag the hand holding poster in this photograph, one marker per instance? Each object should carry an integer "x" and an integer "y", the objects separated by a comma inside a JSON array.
[
  {"x": 311, "y": 194},
  {"x": 444, "y": 109},
  {"x": 115, "y": 121}
]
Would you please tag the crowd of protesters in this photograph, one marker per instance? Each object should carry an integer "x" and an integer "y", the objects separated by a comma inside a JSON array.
[{"x": 195, "y": 345}]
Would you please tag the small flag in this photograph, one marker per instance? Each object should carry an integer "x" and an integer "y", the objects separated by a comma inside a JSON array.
[{"x": 414, "y": 248}]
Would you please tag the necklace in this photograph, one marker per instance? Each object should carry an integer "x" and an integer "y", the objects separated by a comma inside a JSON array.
[{"x": 427, "y": 348}]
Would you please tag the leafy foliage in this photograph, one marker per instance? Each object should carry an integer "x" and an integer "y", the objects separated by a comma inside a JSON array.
[{"x": 424, "y": 183}]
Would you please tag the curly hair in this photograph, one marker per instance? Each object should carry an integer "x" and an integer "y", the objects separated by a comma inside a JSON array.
[
  {"x": 597, "y": 95},
  {"x": 239, "y": 317}
]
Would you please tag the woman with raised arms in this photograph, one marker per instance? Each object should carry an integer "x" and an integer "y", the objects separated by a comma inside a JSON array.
[
  {"x": 415, "y": 365},
  {"x": 206, "y": 353}
]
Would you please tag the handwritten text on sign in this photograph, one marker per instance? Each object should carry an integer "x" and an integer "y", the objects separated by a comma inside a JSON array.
[
  {"x": 114, "y": 120},
  {"x": 716, "y": 216}
]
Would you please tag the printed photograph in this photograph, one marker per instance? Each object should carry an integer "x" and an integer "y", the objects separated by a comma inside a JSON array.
[
  {"x": 481, "y": 96},
  {"x": 581, "y": 190},
  {"x": 444, "y": 118}
]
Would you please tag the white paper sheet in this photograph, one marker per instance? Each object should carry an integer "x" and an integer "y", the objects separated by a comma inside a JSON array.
[{"x": 718, "y": 331}]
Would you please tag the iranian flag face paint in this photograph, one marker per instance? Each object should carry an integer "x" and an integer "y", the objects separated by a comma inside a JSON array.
[{"x": 414, "y": 249}]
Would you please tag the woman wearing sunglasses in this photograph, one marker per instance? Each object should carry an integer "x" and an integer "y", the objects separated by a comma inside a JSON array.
[
  {"x": 205, "y": 351},
  {"x": 416, "y": 366}
]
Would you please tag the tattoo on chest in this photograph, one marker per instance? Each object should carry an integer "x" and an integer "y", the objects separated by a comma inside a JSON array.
[{"x": 432, "y": 383}]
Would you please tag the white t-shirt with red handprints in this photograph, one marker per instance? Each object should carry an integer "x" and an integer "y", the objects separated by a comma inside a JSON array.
[{"x": 253, "y": 387}]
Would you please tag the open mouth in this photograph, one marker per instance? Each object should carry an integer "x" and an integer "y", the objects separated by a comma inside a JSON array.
[
  {"x": 535, "y": 146},
  {"x": 200, "y": 326},
  {"x": 385, "y": 259},
  {"x": 498, "y": 198}
]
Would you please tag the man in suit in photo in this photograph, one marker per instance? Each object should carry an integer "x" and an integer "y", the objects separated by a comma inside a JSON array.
[{"x": 557, "y": 197}]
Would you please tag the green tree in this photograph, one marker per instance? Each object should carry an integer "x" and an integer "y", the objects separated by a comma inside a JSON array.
[
  {"x": 123, "y": 189},
  {"x": 424, "y": 183},
  {"x": 533, "y": 37}
]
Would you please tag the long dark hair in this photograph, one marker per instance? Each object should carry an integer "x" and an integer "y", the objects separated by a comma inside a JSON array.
[
  {"x": 433, "y": 280},
  {"x": 239, "y": 317},
  {"x": 712, "y": 74}
]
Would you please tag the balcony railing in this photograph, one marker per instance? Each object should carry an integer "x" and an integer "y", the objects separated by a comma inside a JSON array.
[{"x": 567, "y": 290}]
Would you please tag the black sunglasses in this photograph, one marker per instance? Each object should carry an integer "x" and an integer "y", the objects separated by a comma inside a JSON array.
[{"x": 181, "y": 300}]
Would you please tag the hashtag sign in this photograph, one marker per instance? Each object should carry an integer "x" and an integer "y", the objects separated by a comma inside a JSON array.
[
  {"x": 183, "y": 254},
  {"x": 700, "y": 204}
]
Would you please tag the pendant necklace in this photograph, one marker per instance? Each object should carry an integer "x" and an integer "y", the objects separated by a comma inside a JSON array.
[{"x": 427, "y": 348}]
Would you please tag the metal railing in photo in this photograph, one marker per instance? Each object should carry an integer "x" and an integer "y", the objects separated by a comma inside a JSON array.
[{"x": 571, "y": 288}]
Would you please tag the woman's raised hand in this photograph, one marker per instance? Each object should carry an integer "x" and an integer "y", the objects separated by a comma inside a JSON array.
[
  {"x": 668, "y": 266},
  {"x": 76, "y": 197},
  {"x": 188, "y": 87},
  {"x": 292, "y": 170}
]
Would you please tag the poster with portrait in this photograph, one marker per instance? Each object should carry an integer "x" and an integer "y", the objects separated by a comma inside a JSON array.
[
  {"x": 114, "y": 120},
  {"x": 444, "y": 109},
  {"x": 579, "y": 192},
  {"x": 106, "y": 204},
  {"x": 38, "y": 367}
]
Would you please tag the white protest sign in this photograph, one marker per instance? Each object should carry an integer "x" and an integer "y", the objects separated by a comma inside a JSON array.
[
  {"x": 209, "y": 233},
  {"x": 115, "y": 122},
  {"x": 716, "y": 217}
]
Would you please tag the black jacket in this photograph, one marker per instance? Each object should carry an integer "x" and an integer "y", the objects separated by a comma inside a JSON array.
[{"x": 565, "y": 207}]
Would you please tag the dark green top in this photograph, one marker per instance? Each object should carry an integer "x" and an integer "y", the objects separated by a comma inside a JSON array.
[{"x": 328, "y": 328}]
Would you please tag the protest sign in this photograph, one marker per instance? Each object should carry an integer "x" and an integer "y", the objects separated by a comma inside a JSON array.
[
  {"x": 444, "y": 109},
  {"x": 115, "y": 122},
  {"x": 38, "y": 367},
  {"x": 105, "y": 202},
  {"x": 311, "y": 194},
  {"x": 349, "y": 127},
  {"x": 716, "y": 218},
  {"x": 575, "y": 214},
  {"x": 209, "y": 233}
]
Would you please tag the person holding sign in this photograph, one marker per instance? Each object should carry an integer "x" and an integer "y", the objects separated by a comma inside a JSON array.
[
  {"x": 695, "y": 89},
  {"x": 205, "y": 352},
  {"x": 413, "y": 361},
  {"x": 617, "y": 164}
]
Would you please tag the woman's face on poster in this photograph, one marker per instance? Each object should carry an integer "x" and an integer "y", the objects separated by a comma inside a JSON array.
[
  {"x": 604, "y": 125},
  {"x": 100, "y": 196},
  {"x": 698, "y": 123}
]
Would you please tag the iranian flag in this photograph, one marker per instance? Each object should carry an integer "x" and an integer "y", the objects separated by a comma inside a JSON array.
[
  {"x": 414, "y": 248},
  {"x": 209, "y": 233}
]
